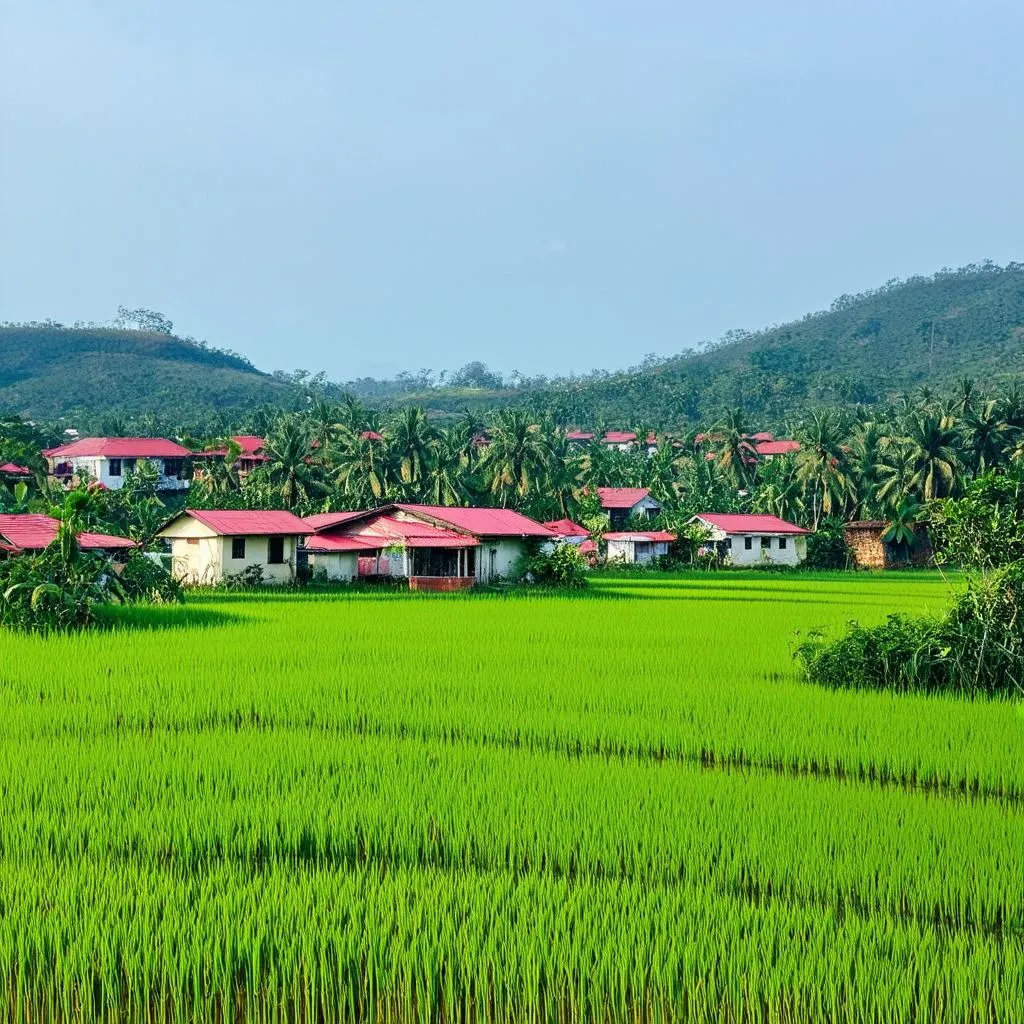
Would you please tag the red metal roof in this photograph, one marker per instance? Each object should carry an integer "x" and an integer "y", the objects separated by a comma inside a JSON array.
[
  {"x": 249, "y": 443},
  {"x": 729, "y": 522},
  {"x": 618, "y": 437},
  {"x": 249, "y": 522},
  {"x": 413, "y": 533},
  {"x": 567, "y": 528},
  {"x": 761, "y": 435},
  {"x": 777, "y": 447},
  {"x": 325, "y": 520},
  {"x": 328, "y": 542},
  {"x": 119, "y": 448},
  {"x": 35, "y": 532},
  {"x": 588, "y": 547},
  {"x": 371, "y": 435},
  {"x": 12, "y": 470},
  {"x": 622, "y": 497},
  {"x": 641, "y": 535},
  {"x": 579, "y": 435},
  {"x": 483, "y": 522}
]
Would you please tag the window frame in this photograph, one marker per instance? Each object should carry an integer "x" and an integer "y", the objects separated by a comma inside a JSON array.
[
  {"x": 271, "y": 543},
  {"x": 237, "y": 543},
  {"x": 115, "y": 467}
]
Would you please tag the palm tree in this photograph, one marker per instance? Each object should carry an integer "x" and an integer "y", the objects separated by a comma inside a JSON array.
[
  {"x": 736, "y": 455},
  {"x": 931, "y": 440},
  {"x": 987, "y": 435},
  {"x": 866, "y": 455},
  {"x": 516, "y": 460},
  {"x": 362, "y": 468},
  {"x": 220, "y": 475},
  {"x": 447, "y": 477},
  {"x": 409, "y": 445},
  {"x": 895, "y": 474},
  {"x": 822, "y": 465},
  {"x": 290, "y": 466}
]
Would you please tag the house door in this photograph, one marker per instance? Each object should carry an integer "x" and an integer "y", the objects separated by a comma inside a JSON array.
[{"x": 489, "y": 565}]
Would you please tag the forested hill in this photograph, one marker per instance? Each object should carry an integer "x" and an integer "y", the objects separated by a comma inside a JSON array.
[
  {"x": 864, "y": 349},
  {"x": 48, "y": 371}
]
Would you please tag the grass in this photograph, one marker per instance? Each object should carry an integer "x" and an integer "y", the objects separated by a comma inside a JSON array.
[{"x": 502, "y": 807}]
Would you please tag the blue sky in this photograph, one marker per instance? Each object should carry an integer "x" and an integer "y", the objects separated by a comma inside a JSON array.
[{"x": 547, "y": 186}]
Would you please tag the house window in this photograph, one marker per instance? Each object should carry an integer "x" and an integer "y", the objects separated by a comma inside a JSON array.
[
  {"x": 114, "y": 469},
  {"x": 728, "y": 543},
  {"x": 782, "y": 543},
  {"x": 766, "y": 543},
  {"x": 172, "y": 467},
  {"x": 238, "y": 547},
  {"x": 748, "y": 543},
  {"x": 129, "y": 465},
  {"x": 275, "y": 551}
]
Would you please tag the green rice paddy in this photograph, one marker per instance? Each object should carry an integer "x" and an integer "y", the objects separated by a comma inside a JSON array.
[{"x": 621, "y": 805}]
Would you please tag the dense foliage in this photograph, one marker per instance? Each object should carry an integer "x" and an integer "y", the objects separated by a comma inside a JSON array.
[
  {"x": 502, "y": 808},
  {"x": 863, "y": 350},
  {"x": 975, "y": 647}
]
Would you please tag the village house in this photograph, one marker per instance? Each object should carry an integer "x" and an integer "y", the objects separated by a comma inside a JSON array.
[
  {"x": 109, "y": 460},
  {"x": 768, "y": 448},
  {"x": 622, "y": 502},
  {"x": 741, "y": 539},
  {"x": 869, "y": 551},
  {"x": 435, "y": 547},
  {"x": 567, "y": 532},
  {"x": 29, "y": 533},
  {"x": 620, "y": 440},
  {"x": 249, "y": 458},
  {"x": 579, "y": 437},
  {"x": 208, "y": 545},
  {"x": 13, "y": 474},
  {"x": 638, "y": 547}
]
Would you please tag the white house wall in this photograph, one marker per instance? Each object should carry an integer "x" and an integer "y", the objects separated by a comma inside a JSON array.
[
  {"x": 256, "y": 554},
  {"x": 496, "y": 557},
  {"x": 196, "y": 560},
  {"x": 793, "y": 554},
  {"x": 338, "y": 566},
  {"x": 98, "y": 469}
]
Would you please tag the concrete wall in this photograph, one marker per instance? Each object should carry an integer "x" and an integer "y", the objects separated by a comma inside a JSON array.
[
  {"x": 199, "y": 557},
  {"x": 496, "y": 556},
  {"x": 793, "y": 553},
  {"x": 340, "y": 566},
  {"x": 256, "y": 554},
  {"x": 98, "y": 469},
  {"x": 630, "y": 551}
]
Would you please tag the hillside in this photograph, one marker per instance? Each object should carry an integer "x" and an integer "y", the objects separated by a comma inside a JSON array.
[
  {"x": 49, "y": 371},
  {"x": 865, "y": 348}
]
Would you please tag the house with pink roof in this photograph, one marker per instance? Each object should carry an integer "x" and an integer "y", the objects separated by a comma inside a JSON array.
[
  {"x": 435, "y": 547},
  {"x": 622, "y": 502},
  {"x": 742, "y": 539},
  {"x": 110, "y": 460},
  {"x": 207, "y": 545}
]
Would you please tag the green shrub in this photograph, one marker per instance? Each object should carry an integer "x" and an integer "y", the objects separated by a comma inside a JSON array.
[
  {"x": 826, "y": 547},
  {"x": 976, "y": 648},
  {"x": 562, "y": 567},
  {"x": 142, "y": 579}
]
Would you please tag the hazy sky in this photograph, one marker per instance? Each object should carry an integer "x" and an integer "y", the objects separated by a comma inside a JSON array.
[{"x": 544, "y": 185}]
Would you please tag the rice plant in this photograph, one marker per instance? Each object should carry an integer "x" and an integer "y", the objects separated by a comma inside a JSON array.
[{"x": 617, "y": 805}]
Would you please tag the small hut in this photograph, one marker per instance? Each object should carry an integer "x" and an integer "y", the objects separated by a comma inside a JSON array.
[{"x": 869, "y": 551}]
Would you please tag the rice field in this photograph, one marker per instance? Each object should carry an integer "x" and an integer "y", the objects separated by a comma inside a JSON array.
[{"x": 621, "y": 805}]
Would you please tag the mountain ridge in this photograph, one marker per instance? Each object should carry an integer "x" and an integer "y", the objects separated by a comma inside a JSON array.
[{"x": 865, "y": 348}]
